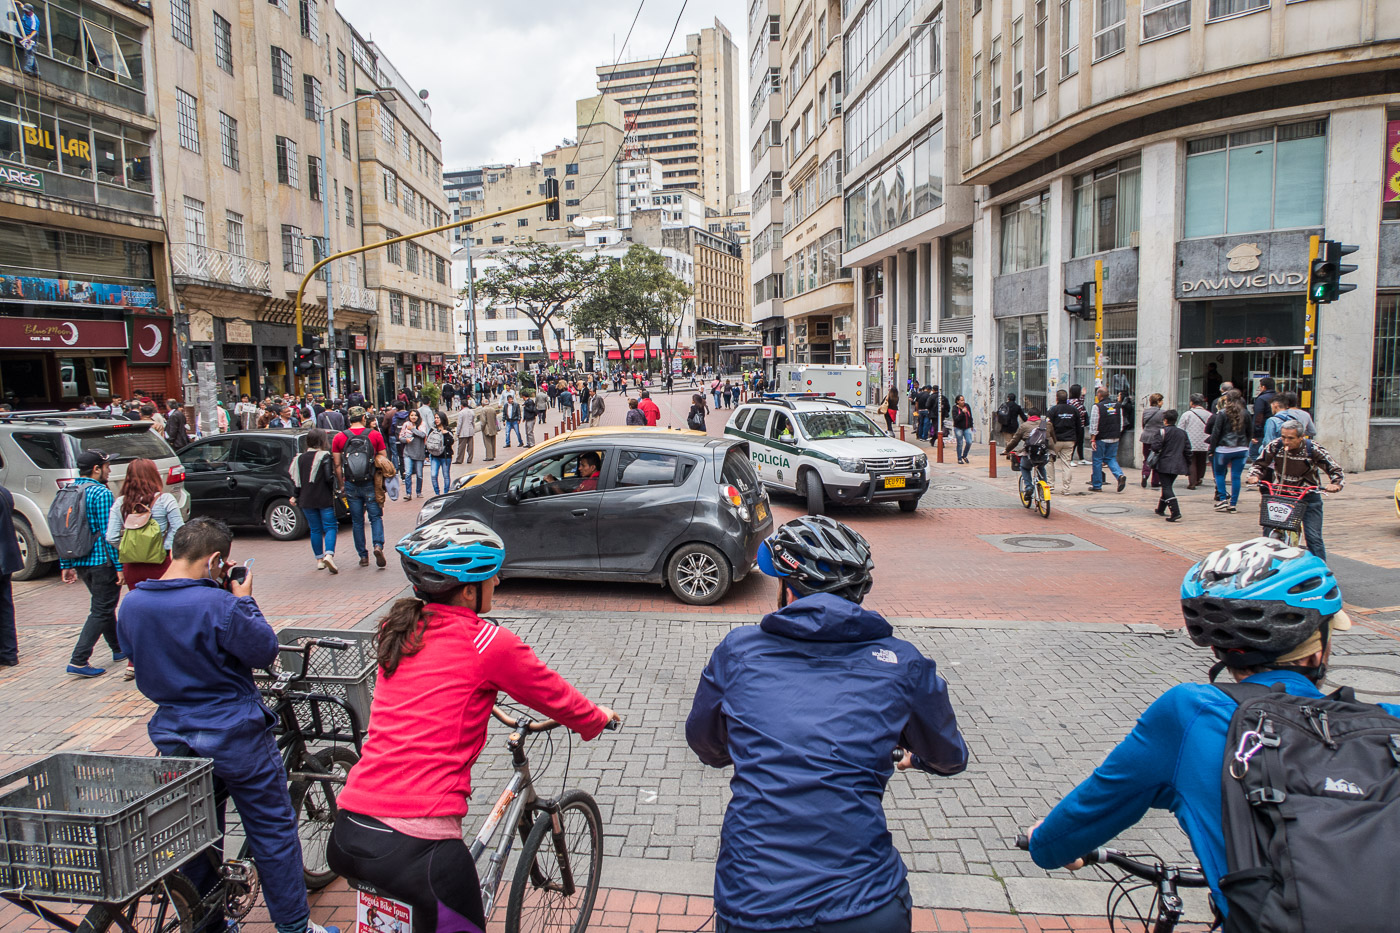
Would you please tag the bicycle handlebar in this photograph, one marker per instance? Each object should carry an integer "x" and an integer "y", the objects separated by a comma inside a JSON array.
[
  {"x": 543, "y": 725},
  {"x": 285, "y": 678},
  {"x": 1156, "y": 873}
]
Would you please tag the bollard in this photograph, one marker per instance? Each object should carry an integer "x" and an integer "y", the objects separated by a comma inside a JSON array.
[
  {"x": 901, "y": 432},
  {"x": 992, "y": 461},
  {"x": 939, "y": 444}
]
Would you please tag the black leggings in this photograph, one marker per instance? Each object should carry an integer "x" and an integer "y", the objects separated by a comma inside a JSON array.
[{"x": 436, "y": 877}]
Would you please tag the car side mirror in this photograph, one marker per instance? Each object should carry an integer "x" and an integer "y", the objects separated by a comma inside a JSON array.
[
  {"x": 513, "y": 496},
  {"x": 785, "y": 438}
]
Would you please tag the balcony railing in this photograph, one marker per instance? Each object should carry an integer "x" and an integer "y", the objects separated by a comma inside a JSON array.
[
  {"x": 361, "y": 299},
  {"x": 219, "y": 267}
]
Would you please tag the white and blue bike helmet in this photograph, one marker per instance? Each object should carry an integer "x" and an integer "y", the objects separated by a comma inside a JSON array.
[{"x": 441, "y": 556}]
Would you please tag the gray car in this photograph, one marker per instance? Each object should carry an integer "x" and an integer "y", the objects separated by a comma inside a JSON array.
[
  {"x": 669, "y": 507},
  {"x": 38, "y": 453}
]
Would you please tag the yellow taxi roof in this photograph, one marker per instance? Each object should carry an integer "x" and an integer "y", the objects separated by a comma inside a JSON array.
[{"x": 576, "y": 434}]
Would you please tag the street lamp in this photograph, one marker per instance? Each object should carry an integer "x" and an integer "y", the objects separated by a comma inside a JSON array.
[{"x": 384, "y": 96}]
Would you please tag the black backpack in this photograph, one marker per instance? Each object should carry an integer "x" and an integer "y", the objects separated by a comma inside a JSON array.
[
  {"x": 68, "y": 522},
  {"x": 1037, "y": 450},
  {"x": 1312, "y": 816},
  {"x": 1005, "y": 418},
  {"x": 357, "y": 458}
]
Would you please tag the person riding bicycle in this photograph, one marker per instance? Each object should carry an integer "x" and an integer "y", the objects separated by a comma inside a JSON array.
[
  {"x": 1293, "y": 460},
  {"x": 804, "y": 841},
  {"x": 1031, "y": 441},
  {"x": 441, "y": 666},
  {"x": 195, "y": 637},
  {"x": 1268, "y": 612}
]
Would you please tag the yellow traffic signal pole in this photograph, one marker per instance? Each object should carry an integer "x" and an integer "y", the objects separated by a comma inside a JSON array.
[
  {"x": 310, "y": 273},
  {"x": 1309, "y": 329},
  {"x": 1098, "y": 323}
]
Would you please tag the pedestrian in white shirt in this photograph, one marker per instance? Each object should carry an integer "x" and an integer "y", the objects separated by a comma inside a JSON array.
[{"x": 466, "y": 430}]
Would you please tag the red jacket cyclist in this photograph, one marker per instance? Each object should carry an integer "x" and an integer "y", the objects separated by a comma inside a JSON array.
[{"x": 440, "y": 668}]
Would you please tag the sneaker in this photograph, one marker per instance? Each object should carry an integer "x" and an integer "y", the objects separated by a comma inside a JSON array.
[
  {"x": 364, "y": 561},
  {"x": 1230, "y": 508},
  {"x": 1096, "y": 489},
  {"x": 120, "y": 656},
  {"x": 130, "y": 672},
  {"x": 1222, "y": 506},
  {"x": 313, "y": 927},
  {"x": 1122, "y": 483},
  {"x": 86, "y": 670},
  {"x": 329, "y": 562},
  {"x": 320, "y": 563},
  {"x": 379, "y": 556}
]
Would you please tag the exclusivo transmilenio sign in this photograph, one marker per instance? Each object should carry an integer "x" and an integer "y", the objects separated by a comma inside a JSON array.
[{"x": 938, "y": 344}]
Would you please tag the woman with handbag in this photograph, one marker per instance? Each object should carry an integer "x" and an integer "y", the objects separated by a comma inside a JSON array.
[
  {"x": 1170, "y": 458},
  {"x": 890, "y": 409},
  {"x": 412, "y": 438},
  {"x": 962, "y": 428},
  {"x": 142, "y": 525},
  {"x": 313, "y": 487},
  {"x": 1152, "y": 423}
]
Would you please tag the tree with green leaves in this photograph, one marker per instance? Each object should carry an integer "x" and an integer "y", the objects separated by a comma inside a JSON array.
[
  {"x": 636, "y": 298},
  {"x": 542, "y": 281}
]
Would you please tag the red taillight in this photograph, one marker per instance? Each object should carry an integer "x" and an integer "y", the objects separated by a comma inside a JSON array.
[
  {"x": 859, "y": 383},
  {"x": 732, "y": 494},
  {"x": 176, "y": 475},
  {"x": 63, "y": 481},
  {"x": 809, "y": 382}
]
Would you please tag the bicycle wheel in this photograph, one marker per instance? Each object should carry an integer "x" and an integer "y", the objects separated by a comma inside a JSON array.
[
  {"x": 1024, "y": 491},
  {"x": 314, "y": 803},
  {"x": 537, "y": 900},
  {"x": 1042, "y": 504},
  {"x": 171, "y": 906}
]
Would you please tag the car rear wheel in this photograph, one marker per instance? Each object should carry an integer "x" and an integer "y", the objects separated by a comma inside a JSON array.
[
  {"x": 698, "y": 574},
  {"x": 816, "y": 493},
  {"x": 284, "y": 521},
  {"x": 908, "y": 505},
  {"x": 29, "y": 550}
]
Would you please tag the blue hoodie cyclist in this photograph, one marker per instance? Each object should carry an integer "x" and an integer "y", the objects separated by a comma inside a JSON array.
[{"x": 808, "y": 706}]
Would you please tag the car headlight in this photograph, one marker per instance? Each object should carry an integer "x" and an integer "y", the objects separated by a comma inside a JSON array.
[
  {"x": 920, "y": 461},
  {"x": 430, "y": 510},
  {"x": 851, "y": 466}
]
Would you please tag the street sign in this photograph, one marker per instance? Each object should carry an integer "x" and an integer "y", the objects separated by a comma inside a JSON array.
[{"x": 939, "y": 344}]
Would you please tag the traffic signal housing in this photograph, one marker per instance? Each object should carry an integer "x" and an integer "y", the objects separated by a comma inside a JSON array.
[
  {"x": 305, "y": 360},
  {"x": 1080, "y": 302},
  {"x": 551, "y": 190},
  {"x": 1325, "y": 283}
]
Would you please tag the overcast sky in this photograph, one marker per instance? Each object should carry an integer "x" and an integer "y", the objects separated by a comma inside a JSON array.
[{"x": 502, "y": 78}]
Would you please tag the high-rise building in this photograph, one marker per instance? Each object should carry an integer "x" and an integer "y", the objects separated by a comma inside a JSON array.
[
  {"x": 683, "y": 111},
  {"x": 766, "y": 114}
]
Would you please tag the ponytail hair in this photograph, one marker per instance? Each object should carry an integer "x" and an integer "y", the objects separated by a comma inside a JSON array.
[{"x": 400, "y": 633}]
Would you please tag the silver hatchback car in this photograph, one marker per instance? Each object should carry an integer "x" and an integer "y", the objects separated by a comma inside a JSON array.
[{"x": 38, "y": 452}]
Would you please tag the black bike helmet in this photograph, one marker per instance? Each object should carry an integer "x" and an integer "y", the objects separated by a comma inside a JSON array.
[{"x": 817, "y": 554}]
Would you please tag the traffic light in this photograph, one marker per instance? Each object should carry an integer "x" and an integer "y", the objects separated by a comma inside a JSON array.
[
  {"x": 551, "y": 190},
  {"x": 305, "y": 360},
  {"x": 1081, "y": 302},
  {"x": 1325, "y": 283}
]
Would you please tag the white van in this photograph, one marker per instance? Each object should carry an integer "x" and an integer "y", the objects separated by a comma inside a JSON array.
[{"x": 848, "y": 383}]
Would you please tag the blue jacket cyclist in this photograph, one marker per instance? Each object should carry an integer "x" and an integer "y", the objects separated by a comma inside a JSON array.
[
  {"x": 1173, "y": 757},
  {"x": 195, "y": 644},
  {"x": 808, "y": 706}
]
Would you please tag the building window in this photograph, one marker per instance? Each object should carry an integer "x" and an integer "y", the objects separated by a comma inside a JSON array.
[
  {"x": 340, "y": 70},
  {"x": 1385, "y": 375},
  {"x": 1164, "y": 17},
  {"x": 1023, "y": 345},
  {"x": 194, "y": 223},
  {"x": 1111, "y": 29},
  {"x": 1119, "y": 350},
  {"x": 223, "y": 43},
  {"x": 394, "y": 250},
  {"x": 977, "y": 94},
  {"x": 391, "y": 187},
  {"x": 440, "y": 267},
  {"x": 187, "y": 110},
  {"x": 282, "y": 74},
  {"x": 1262, "y": 179},
  {"x": 386, "y": 124},
  {"x": 292, "y": 260},
  {"x": 233, "y": 233},
  {"x": 286, "y": 161},
  {"x": 349, "y": 207},
  {"x": 1018, "y": 63},
  {"x": 512, "y": 335},
  {"x": 957, "y": 277},
  {"x": 395, "y": 308},
  {"x": 313, "y": 177},
  {"x": 1107, "y": 206},
  {"x": 228, "y": 140},
  {"x": 498, "y": 240},
  {"x": 311, "y": 96},
  {"x": 1069, "y": 38},
  {"x": 1219, "y": 9},
  {"x": 412, "y": 257},
  {"x": 874, "y": 294},
  {"x": 1039, "y": 51},
  {"x": 345, "y": 138},
  {"x": 994, "y": 67},
  {"x": 181, "y": 26},
  {"x": 571, "y": 168},
  {"x": 522, "y": 222},
  {"x": 1025, "y": 241},
  {"x": 310, "y": 19}
]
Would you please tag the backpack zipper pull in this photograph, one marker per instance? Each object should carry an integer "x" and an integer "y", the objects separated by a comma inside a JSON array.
[{"x": 1317, "y": 718}]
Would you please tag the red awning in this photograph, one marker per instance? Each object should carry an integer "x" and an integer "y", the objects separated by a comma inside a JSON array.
[{"x": 554, "y": 355}]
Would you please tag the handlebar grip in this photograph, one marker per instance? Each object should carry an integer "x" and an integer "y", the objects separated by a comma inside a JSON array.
[
  {"x": 339, "y": 644},
  {"x": 897, "y": 755},
  {"x": 613, "y": 725},
  {"x": 1023, "y": 841}
]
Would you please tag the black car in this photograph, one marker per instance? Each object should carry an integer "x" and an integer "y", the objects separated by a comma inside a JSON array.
[
  {"x": 242, "y": 479},
  {"x": 632, "y": 505}
]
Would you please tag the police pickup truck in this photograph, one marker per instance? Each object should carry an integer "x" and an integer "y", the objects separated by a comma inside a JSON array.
[{"x": 828, "y": 451}]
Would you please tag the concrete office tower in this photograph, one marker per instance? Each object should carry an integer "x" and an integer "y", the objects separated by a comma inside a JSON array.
[
  {"x": 683, "y": 111},
  {"x": 766, "y": 115}
]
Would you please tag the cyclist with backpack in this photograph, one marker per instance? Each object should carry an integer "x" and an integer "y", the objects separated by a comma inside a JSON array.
[
  {"x": 1288, "y": 797},
  {"x": 354, "y": 450},
  {"x": 1293, "y": 460},
  {"x": 1031, "y": 441},
  {"x": 78, "y": 519},
  {"x": 804, "y": 845}
]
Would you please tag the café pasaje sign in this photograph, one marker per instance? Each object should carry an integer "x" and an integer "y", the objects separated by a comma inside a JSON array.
[{"x": 37, "y": 333}]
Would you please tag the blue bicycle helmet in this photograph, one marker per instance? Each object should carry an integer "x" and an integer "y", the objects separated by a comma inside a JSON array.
[
  {"x": 1255, "y": 601},
  {"x": 441, "y": 556}
]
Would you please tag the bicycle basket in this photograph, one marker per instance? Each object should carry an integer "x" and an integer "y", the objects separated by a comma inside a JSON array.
[
  {"x": 348, "y": 675},
  {"x": 102, "y": 828},
  {"x": 1282, "y": 512}
]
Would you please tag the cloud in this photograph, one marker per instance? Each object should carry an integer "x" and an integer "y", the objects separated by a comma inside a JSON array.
[{"x": 502, "y": 78}]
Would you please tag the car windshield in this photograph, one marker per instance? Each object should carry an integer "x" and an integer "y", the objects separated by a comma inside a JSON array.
[
  {"x": 123, "y": 444},
  {"x": 825, "y": 425}
]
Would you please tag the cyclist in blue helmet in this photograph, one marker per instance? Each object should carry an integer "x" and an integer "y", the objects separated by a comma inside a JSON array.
[
  {"x": 1268, "y": 613},
  {"x": 804, "y": 845},
  {"x": 441, "y": 666}
]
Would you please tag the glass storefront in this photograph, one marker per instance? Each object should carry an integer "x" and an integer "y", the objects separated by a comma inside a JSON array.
[
  {"x": 1119, "y": 352},
  {"x": 1023, "y": 342},
  {"x": 1245, "y": 338}
]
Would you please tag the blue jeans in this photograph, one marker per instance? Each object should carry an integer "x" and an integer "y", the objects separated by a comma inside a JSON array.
[
  {"x": 412, "y": 468},
  {"x": 514, "y": 426},
  {"x": 361, "y": 496},
  {"x": 925, "y": 423},
  {"x": 1105, "y": 452},
  {"x": 964, "y": 436},
  {"x": 1234, "y": 465},
  {"x": 1312, "y": 523},
  {"x": 441, "y": 465},
  {"x": 323, "y": 529},
  {"x": 395, "y": 452}
]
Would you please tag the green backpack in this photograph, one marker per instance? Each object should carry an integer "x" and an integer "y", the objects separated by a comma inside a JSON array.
[{"x": 142, "y": 544}]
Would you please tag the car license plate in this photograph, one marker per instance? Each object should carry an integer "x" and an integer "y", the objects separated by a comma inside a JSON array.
[
  {"x": 761, "y": 512},
  {"x": 894, "y": 482}
]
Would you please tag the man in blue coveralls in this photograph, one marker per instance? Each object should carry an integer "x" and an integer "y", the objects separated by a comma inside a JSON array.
[{"x": 195, "y": 643}]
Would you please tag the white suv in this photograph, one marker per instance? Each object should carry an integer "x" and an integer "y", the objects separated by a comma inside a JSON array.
[{"x": 828, "y": 451}]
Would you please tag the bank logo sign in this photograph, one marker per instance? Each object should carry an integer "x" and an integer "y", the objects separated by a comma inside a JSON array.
[
  {"x": 1244, "y": 258},
  {"x": 1261, "y": 266}
]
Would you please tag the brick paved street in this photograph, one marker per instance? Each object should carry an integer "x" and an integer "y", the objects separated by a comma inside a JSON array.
[{"x": 1044, "y": 681}]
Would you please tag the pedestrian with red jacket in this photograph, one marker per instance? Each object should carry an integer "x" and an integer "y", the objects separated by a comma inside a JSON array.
[{"x": 649, "y": 409}]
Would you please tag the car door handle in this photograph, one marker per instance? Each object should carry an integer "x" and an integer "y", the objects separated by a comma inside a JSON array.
[
  {"x": 232, "y": 482},
  {"x": 580, "y": 513}
]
